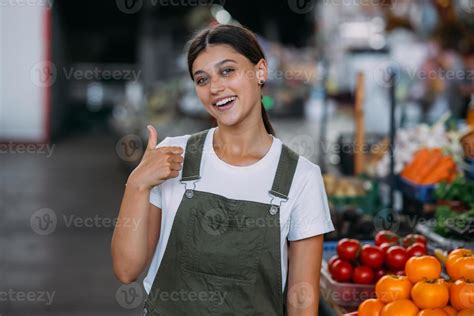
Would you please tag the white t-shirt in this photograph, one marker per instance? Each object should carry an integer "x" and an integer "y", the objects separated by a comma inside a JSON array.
[{"x": 304, "y": 214}]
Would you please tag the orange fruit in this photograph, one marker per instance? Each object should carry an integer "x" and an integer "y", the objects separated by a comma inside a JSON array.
[
  {"x": 400, "y": 308},
  {"x": 432, "y": 312},
  {"x": 430, "y": 294},
  {"x": 422, "y": 268},
  {"x": 370, "y": 307},
  {"x": 466, "y": 312},
  {"x": 452, "y": 263},
  {"x": 392, "y": 287},
  {"x": 462, "y": 295},
  {"x": 450, "y": 311}
]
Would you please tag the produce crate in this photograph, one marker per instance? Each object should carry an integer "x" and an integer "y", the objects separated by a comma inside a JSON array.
[
  {"x": 438, "y": 240},
  {"x": 343, "y": 294},
  {"x": 368, "y": 203},
  {"x": 421, "y": 193}
]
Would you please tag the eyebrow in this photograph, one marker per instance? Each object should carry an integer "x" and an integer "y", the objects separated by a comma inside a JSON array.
[{"x": 216, "y": 65}]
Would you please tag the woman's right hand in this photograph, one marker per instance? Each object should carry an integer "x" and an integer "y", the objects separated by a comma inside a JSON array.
[{"x": 157, "y": 164}]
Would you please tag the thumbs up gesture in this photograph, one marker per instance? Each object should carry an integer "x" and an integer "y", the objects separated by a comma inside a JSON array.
[{"x": 157, "y": 164}]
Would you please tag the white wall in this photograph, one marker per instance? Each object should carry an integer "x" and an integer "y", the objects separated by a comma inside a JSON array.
[{"x": 22, "y": 50}]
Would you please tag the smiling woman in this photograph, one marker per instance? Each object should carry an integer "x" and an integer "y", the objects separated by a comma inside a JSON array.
[{"x": 241, "y": 214}]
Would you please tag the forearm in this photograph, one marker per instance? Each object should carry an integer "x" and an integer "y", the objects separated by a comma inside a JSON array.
[{"x": 130, "y": 238}]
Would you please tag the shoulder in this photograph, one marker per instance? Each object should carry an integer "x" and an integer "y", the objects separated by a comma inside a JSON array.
[
  {"x": 174, "y": 141},
  {"x": 307, "y": 171}
]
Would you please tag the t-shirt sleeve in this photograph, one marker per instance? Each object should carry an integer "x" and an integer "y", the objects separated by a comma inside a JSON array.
[
  {"x": 155, "y": 193},
  {"x": 310, "y": 215}
]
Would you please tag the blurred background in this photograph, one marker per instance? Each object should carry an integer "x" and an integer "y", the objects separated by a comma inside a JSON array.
[{"x": 80, "y": 80}]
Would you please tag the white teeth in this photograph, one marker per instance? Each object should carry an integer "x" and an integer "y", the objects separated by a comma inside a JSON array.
[{"x": 224, "y": 101}]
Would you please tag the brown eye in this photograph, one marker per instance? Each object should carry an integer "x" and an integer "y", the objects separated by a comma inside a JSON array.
[
  {"x": 201, "y": 81},
  {"x": 227, "y": 71}
]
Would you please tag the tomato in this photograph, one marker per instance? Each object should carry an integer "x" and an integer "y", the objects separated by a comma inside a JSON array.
[
  {"x": 370, "y": 307},
  {"x": 363, "y": 275},
  {"x": 456, "y": 269},
  {"x": 348, "y": 249},
  {"x": 416, "y": 249},
  {"x": 413, "y": 238},
  {"x": 462, "y": 295},
  {"x": 341, "y": 271},
  {"x": 430, "y": 294},
  {"x": 378, "y": 274},
  {"x": 432, "y": 312},
  {"x": 396, "y": 258},
  {"x": 386, "y": 236},
  {"x": 385, "y": 246},
  {"x": 371, "y": 256},
  {"x": 331, "y": 262},
  {"x": 392, "y": 287},
  {"x": 450, "y": 311},
  {"x": 421, "y": 268},
  {"x": 466, "y": 312},
  {"x": 402, "y": 307}
]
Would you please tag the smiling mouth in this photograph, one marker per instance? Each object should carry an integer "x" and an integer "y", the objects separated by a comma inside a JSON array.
[{"x": 224, "y": 102}]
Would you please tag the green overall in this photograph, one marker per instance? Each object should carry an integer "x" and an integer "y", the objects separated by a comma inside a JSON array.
[{"x": 223, "y": 255}]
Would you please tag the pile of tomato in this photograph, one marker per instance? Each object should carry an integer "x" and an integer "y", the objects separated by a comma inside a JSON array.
[
  {"x": 366, "y": 264},
  {"x": 422, "y": 292}
]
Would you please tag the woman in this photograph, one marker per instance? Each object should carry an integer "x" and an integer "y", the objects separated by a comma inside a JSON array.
[{"x": 236, "y": 226}]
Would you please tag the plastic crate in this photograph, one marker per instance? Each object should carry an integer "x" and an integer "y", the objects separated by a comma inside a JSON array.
[
  {"x": 343, "y": 294},
  {"x": 421, "y": 193}
]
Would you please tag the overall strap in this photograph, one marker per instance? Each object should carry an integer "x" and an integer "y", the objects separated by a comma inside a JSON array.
[
  {"x": 284, "y": 173},
  {"x": 193, "y": 156}
]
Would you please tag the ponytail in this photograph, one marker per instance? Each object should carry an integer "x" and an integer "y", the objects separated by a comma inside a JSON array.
[{"x": 266, "y": 121}]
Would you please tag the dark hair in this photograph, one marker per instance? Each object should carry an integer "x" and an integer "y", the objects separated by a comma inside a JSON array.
[{"x": 240, "y": 39}]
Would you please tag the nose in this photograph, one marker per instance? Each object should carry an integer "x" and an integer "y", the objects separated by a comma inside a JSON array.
[{"x": 216, "y": 85}]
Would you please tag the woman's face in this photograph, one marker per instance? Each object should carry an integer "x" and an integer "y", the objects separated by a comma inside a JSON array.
[{"x": 226, "y": 82}]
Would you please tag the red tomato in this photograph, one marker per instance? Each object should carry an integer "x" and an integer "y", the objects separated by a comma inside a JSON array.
[
  {"x": 348, "y": 249},
  {"x": 386, "y": 236},
  {"x": 413, "y": 238},
  {"x": 341, "y": 271},
  {"x": 396, "y": 258},
  {"x": 378, "y": 274},
  {"x": 384, "y": 247},
  {"x": 417, "y": 249},
  {"x": 371, "y": 256},
  {"x": 331, "y": 262},
  {"x": 363, "y": 275}
]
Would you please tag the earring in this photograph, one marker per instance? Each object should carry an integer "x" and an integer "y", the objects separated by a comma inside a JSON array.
[{"x": 261, "y": 82}]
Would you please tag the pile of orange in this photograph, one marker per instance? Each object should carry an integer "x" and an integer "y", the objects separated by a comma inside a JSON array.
[{"x": 422, "y": 292}]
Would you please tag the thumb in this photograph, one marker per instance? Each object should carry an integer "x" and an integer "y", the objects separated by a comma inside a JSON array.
[{"x": 152, "y": 137}]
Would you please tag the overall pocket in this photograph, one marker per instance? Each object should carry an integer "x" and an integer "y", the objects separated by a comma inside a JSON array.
[{"x": 223, "y": 244}]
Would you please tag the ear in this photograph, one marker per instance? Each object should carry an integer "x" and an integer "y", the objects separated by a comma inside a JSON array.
[{"x": 262, "y": 70}]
